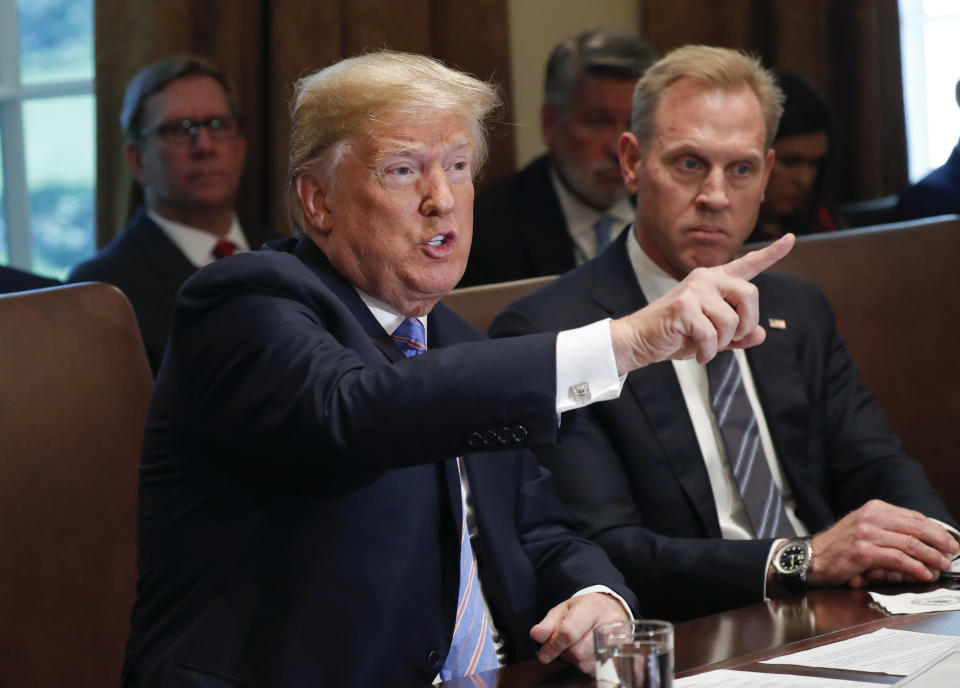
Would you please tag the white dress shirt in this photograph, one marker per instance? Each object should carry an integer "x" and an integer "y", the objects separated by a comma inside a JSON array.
[
  {"x": 692, "y": 376},
  {"x": 581, "y": 218},
  {"x": 197, "y": 244}
]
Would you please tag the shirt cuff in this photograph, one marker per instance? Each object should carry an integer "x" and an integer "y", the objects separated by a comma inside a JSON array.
[
  {"x": 586, "y": 368},
  {"x": 604, "y": 589}
]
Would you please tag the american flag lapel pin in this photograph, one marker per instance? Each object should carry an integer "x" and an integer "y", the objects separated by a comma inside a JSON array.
[{"x": 777, "y": 323}]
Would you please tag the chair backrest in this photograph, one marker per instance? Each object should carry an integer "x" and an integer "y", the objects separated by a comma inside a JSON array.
[
  {"x": 896, "y": 293},
  {"x": 74, "y": 390},
  {"x": 479, "y": 305}
]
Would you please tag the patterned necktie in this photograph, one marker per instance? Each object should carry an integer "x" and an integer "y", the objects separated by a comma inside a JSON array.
[
  {"x": 741, "y": 437},
  {"x": 472, "y": 649},
  {"x": 602, "y": 229},
  {"x": 410, "y": 337},
  {"x": 223, "y": 249}
]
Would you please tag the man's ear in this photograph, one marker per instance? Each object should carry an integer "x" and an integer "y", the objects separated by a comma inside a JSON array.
[
  {"x": 630, "y": 156},
  {"x": 133, "y": 155},
  {"x": 313, "y": 201}
]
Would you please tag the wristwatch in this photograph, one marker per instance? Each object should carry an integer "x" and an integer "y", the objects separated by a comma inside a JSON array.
[{"x": 791, "y": 562}]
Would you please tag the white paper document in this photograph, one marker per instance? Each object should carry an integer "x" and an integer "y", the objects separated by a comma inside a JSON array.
[
  {"x": 726, "y": 678},
  {"x": 919, "y": 603},
  {"x": 941, "y": 674},
  {"x": 887, "y": 651}
]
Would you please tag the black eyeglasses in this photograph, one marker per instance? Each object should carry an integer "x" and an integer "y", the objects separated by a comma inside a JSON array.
[{"x": 183, "y": 131}]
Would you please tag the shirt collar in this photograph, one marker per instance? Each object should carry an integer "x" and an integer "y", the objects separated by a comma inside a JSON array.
[
  {"x": 388, "y": 318},
  {"x": 654, "y": 281},
  {"x": 197, "y": 244}
]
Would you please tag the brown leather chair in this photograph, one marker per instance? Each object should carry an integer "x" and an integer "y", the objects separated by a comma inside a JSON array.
[
  {"x": 479, "y": 305},
  {"x": 75, "y": 388},
  {"x": 896, "y": 292}
]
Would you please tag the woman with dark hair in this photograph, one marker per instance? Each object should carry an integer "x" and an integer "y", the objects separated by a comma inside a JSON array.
[{"x": 795, "y": 197}]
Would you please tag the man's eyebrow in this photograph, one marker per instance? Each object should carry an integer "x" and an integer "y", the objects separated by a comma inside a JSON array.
[
  {"x": 695, "y": 152},
  {"x": 392, "y": 149}
]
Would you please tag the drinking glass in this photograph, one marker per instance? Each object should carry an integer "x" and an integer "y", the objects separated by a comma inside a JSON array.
[{"x": 634, "y": 654}]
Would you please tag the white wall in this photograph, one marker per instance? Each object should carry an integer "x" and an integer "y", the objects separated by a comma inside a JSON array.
[{"x": 535, "y": 27}]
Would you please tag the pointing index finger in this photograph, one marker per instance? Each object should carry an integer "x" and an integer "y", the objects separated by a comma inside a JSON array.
[{"x": 752, "y": 264}]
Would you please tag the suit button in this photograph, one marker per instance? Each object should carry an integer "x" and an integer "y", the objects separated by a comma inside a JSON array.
[
  {"x": 505, "y": 436},
  {"x": 434, "y": 660},
  {"x": 520, "y": 433},
  {"x": 475, "y": 439},
  {"x": 490, "y": 438}
]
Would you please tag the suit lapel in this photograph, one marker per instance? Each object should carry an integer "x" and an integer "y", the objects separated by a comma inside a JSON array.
[
  {"x": 656, "y": 390},
  {"x": 545, "y": 238},
  {"x": 781, "y": 388},
  {"x": 439, "y": 329},
  {"x": 169, "y": 266},
  {"x": 312, "y": 256}
]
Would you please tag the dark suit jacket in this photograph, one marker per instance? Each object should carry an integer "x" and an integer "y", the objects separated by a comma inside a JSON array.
[
  {"x": 631, "y": 470},
  {"x": 12, "y": 280},
  {"x": 149, "y": 269},
  {"x": 519, "y": 230},
  {"x": 299, "y": 507},
  {"x": 936, "y": 194}
]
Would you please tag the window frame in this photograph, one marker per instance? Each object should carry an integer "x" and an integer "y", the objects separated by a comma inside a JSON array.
[
  {"x": 914, "y": 23},
  {"x": 13, "y": 95}
]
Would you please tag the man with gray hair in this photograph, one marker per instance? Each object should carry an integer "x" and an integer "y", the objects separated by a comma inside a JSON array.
[
  {"x": 715, "y": 484},
  {"x": 304, "y": 518},
  {"x": 186, "y": 150},
  {"x": 568, "y": 204}
]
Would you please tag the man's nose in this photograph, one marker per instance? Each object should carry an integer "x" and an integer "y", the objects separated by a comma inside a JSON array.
[
  {"x": 202, "y": 141},
  {"x": 713, "y": 191},
  {"x": 437, "y": 194}
]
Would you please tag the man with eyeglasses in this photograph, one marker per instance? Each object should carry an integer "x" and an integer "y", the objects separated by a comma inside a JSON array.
[{"x": 186, "y": 150}]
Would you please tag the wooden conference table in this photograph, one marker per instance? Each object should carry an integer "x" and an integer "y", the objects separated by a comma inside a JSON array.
[{"x": 741, "y": 638}]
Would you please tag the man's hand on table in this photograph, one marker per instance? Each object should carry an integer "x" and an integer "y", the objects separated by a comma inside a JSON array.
[
  {"x": 880, "y": 542},
  {"x": 567, "y": 629}
]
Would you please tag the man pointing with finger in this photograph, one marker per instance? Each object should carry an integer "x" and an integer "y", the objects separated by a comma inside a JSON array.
[
  {"x": 704, "y": 483},
  {"x": 335, "y": 487}
]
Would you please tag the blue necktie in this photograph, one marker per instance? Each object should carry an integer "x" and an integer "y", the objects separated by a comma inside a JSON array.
[
  {"x": 472, "y": 649},
  {"x": 602, "y": 229},
  {"x": 410, "y": 337}
]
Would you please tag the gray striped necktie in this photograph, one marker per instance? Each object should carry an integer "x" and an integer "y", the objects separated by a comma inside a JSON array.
[
  {"x": 741, "y": 437},
  {"x": 603, "y": 231}
]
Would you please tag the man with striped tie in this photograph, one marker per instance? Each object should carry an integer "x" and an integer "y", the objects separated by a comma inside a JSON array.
[
  {"x": 335, "y": 487},
  {"x": 704, "y": 483}
]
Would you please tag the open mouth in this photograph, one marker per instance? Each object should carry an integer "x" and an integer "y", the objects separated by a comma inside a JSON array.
[{"x": 437, "y": 241}]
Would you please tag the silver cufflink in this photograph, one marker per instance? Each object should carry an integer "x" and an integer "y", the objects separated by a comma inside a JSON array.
[{"x": 580, "y": 393}]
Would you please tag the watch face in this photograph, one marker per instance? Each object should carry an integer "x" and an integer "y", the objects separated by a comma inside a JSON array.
[{"x": 792, "y": 558}]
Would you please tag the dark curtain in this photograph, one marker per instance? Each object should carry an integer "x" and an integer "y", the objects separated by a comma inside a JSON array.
[
  {"x": 849, "y": 49},
  {"x": 263, "y": 46}
]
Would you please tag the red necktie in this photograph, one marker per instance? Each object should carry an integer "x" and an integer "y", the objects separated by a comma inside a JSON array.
[{"x": 223, "y": 249}]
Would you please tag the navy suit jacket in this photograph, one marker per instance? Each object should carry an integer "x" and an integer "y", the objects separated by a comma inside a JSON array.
[
  {"x": 13, "y": 280},
  {"x": 519, "y": 230},
  {"x": 299, "y": 503},
  {"x": 631, "y": 470},
  {"x": 149, "y": 269},
  {"x": 936, "y": 194}
]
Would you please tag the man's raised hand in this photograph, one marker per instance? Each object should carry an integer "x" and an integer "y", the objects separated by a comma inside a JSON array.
[{"x": 712, "y": 309}]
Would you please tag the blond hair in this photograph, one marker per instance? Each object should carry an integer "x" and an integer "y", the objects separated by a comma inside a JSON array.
[
  {"x": 333, "y": 106},
  {"x": 713, "y": 67}
]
